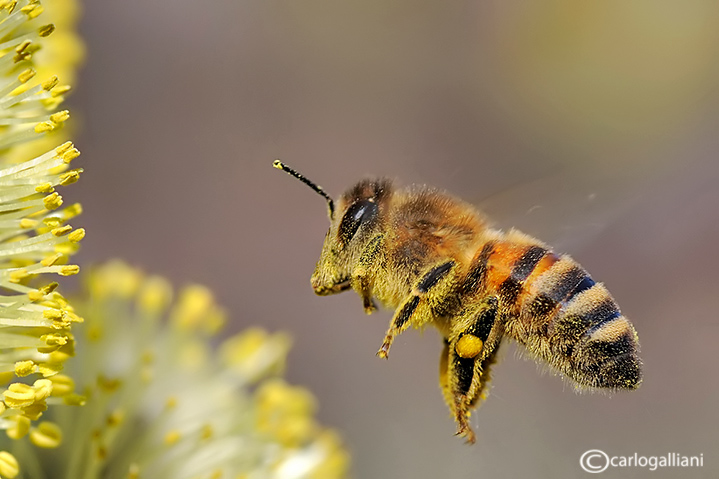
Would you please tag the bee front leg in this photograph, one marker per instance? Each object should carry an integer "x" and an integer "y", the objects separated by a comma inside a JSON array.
[
  {"x": 362, "y": 277},
  {"x": 471, "y": 351},
  {"x": 425, "y": 286}
]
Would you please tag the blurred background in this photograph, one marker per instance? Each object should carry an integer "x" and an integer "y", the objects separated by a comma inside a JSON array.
[{"x": 591, "y": 125}]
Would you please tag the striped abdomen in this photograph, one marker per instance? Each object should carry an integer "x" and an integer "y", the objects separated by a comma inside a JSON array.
[{"x": 550, "y": 304}]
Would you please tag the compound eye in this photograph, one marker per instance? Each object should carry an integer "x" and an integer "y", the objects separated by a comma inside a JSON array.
[{"x": 360, "y": 212}]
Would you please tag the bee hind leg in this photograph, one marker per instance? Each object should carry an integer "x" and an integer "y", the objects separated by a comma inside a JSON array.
[
  {"x": 426, "y": 286},
  {"x": 470, "y": 352}
]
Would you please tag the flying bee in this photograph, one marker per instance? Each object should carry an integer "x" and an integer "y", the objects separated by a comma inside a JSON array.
[{"x": 435, "y": 260}]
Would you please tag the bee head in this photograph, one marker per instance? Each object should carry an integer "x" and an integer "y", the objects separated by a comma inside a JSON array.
[{"x": 352, "y": 225}]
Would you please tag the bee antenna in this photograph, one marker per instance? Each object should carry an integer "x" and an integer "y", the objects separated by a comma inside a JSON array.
[{"x": 281, "y": 166}]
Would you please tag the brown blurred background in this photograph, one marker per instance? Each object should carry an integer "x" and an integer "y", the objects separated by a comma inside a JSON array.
[{"x": 592, "y": 125}]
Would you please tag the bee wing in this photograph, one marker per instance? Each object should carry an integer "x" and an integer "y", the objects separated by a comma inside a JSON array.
[{"x": 563, "y": 210}]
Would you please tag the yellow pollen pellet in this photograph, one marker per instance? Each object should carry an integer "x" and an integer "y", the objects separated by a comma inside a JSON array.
[
  {"x": 468, "y": 346},
  {"x": 46, "y": 30},
  {"x": 51, "y": 83},
  {"x": 52, "y": 201},
  {"x": 77, "y": 235},
  {"x": 44, "y": 127},
  {"x": 25, "y": 76},
  {"x": 47, "y": 435},
  {"x": 69, "y": 270},
  {"x": 60, "y": 116},
  {"x": 8, "y": 465},
  {"x": 63, "y": 230}
]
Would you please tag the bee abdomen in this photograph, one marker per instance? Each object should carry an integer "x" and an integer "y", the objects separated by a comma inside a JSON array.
[{"x": 576, "y": 325}]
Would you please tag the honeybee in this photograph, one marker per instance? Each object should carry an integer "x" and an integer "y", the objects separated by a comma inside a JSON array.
[{"x": 435, "y": 260}]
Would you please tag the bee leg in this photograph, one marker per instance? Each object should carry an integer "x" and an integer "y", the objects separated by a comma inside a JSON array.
[
  {"x": 400, "y": 321},
  {"x": 361, "y": 279},
  {"x": 472, "y": 350}
]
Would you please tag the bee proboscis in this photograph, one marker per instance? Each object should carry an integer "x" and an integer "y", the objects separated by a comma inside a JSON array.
[{"x": 435, "y": 260}]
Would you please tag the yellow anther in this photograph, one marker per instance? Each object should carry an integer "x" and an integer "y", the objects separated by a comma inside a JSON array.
[
  {"x": 44, "y": 188},
  {"x": 23, "y": 46},
  {"x": 172, "y": 437},
  {"x": 35, "y": 296},
  {"x": 32, "y": 10},
  {"x": 60, "y": 150},
  {"x": 53, "y": 314},
  {"x": 468, "y": 346},
  {"x": 46, "y": 30},
  {"x": 171, "y": 403},
  {"x": 49, "y": 370},
  {"x": 43, "y": 389},
  {"x": 19, "y": 395},
  {"x": 134, "y": 471},
  {"x": 77, "y": 235},
  {"x": 52, "y": 201},
  {"x": 74, "y": 400},
  {"x": 18, "y": 275},
  {"x": 69, "y": 178},
  {"x": 60, "y": 116},
  {"x": 51, "y": 260},
  {"x": 73, "y": 210},
  {"x": 62, "y": 385},
  {"x": 26, "y": 75},
  {"x": 155, "y": 295},
  {"x": 60, "y": 90},
  {"x": 70, "y": 155},
  {"x": 27, "y": 223},
  {"x": 44, "y": 127},
  {"x": 115, "y": 418},
  {"x": 54, "y": 339},
  {"x": 48, "y": 288},
  {"x": 206, "y": 432},
  {"x": 52, "y": 222},
  {"x": 47, "y": 435},
  {"x": 72, "y": 317},
  {"x": 8, "y": 465},
  {"x": 62, "y": 230},
  {"x": 24, "y": 368},
  {"x": 51, "y": 83},
  {"x": 19, "y": 428},
  {"x": 69, "y": 270}
]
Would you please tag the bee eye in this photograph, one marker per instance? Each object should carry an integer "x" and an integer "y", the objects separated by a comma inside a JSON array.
[{"x": 360, "y": 212}]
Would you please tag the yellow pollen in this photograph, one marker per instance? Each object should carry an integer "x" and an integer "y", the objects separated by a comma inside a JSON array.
[
  {"x": 44, "y": 188},
  {"x": 43, "y": 389},
  {"x": 77, "y": 235},
  {"x": 24, "y": 368},
  {"x": 8, "y": 465},
  {"x": 53, "y": 314},
  {"x": 468, "y": 346},
  {"x": 69, "y": 270},
  {"x": 26, "y": 75},
  {"x": 52, "y": 201},
  {"x": 46, "y": 435}
]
